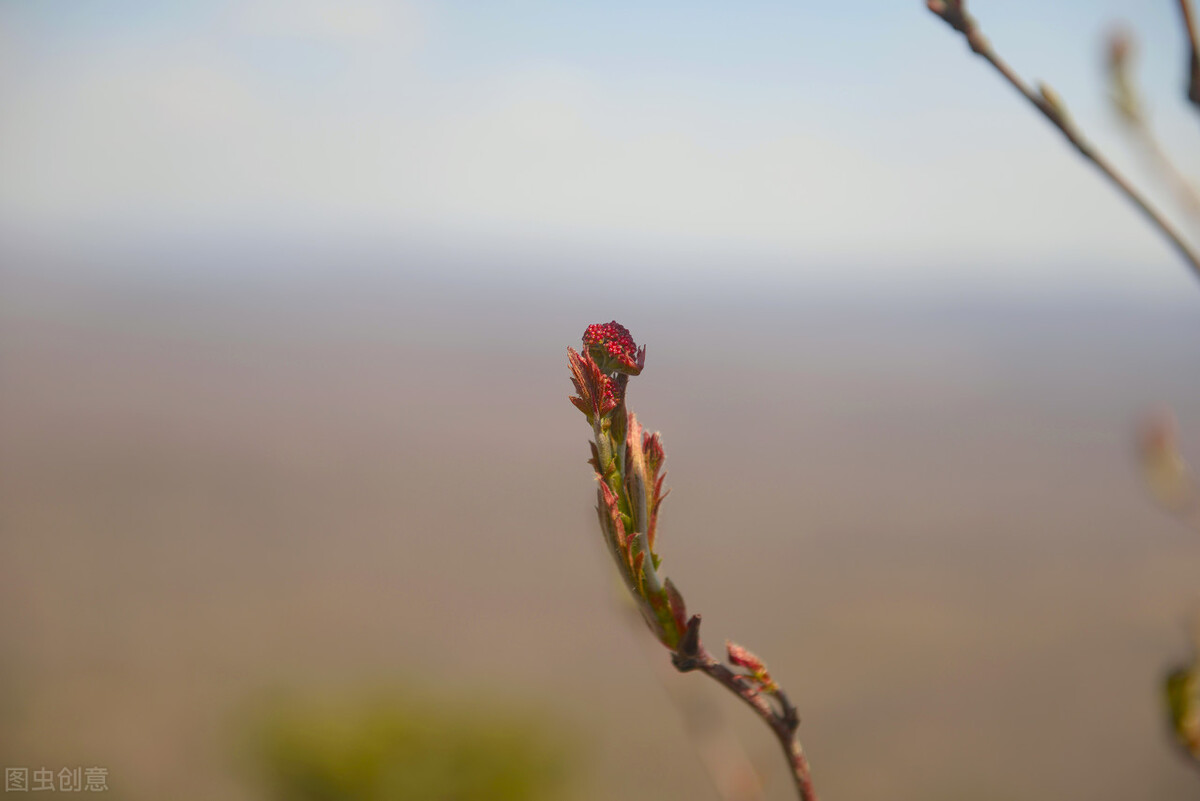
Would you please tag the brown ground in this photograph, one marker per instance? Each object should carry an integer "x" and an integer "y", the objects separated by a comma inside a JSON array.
[{"x": 928, "y": 522}]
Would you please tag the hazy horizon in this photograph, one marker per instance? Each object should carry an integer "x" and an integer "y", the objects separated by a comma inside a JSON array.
[{"x": 925, "y": 515}]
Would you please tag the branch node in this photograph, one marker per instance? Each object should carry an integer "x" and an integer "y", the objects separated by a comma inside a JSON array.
[
  {"x": 790, "y": 716},
  {"x": 687, "y": 656}
]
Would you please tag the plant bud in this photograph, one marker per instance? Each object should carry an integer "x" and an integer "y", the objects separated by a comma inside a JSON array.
[{"x": 613, "y": 349}]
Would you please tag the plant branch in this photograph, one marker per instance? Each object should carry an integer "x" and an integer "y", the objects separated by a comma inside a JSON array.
[
  {"x": 1189, "y": 24},
  {"x": 1047, "y": 102},
  {"x": 1167, "y": 169},
  {"x": 1127, "y": 103},
  {"x": 784, "y": 722},
  {"x": 628, "y": 461}
]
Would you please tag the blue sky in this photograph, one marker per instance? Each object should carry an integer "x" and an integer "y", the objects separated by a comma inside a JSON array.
[{"x": 819, "y": 132}]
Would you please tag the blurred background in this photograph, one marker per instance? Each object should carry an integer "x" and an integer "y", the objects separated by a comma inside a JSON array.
[{"x": 293, "y": 504}]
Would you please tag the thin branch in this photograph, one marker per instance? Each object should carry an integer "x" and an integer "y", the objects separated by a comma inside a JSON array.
[
  {"x": 1127, "y": 103},
  {"x": 1047, "y": 102},
  {"x": 628, "y": 462},
  {"x": 1166, "y": 168},
  {"x": 1189, "y": 24},
  {"x": 784, "y": 722}
]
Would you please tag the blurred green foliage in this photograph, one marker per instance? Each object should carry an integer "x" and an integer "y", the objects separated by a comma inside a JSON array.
[
  {"x": 1182, "y": 690},
  {"x": 385, "y": 747}
]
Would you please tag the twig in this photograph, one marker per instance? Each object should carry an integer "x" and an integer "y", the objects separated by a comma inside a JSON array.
[
  {"x": 1170, "y": 173},
  {"x": 1189, "y": 24},
  {"x": 1046, "y": 101},
  {"x": 1127, "y": 103},
  {"x": 784, "y": 722}
]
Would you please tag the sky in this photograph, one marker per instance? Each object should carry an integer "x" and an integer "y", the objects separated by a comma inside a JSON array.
[{"x": 808, "y": 133}]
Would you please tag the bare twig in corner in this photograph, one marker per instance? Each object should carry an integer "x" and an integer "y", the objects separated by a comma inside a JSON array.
[
  {"x": 1189, "y": 24},
  {"x": 1046, "y": 100},
  {"x": 1127, "y": 102}
]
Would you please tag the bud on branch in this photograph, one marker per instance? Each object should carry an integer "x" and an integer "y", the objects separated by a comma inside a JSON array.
[{"x": 628, "y": 462}]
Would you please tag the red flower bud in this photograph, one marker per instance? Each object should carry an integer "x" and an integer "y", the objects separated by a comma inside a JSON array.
[{"x": 613, "y": 349}]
